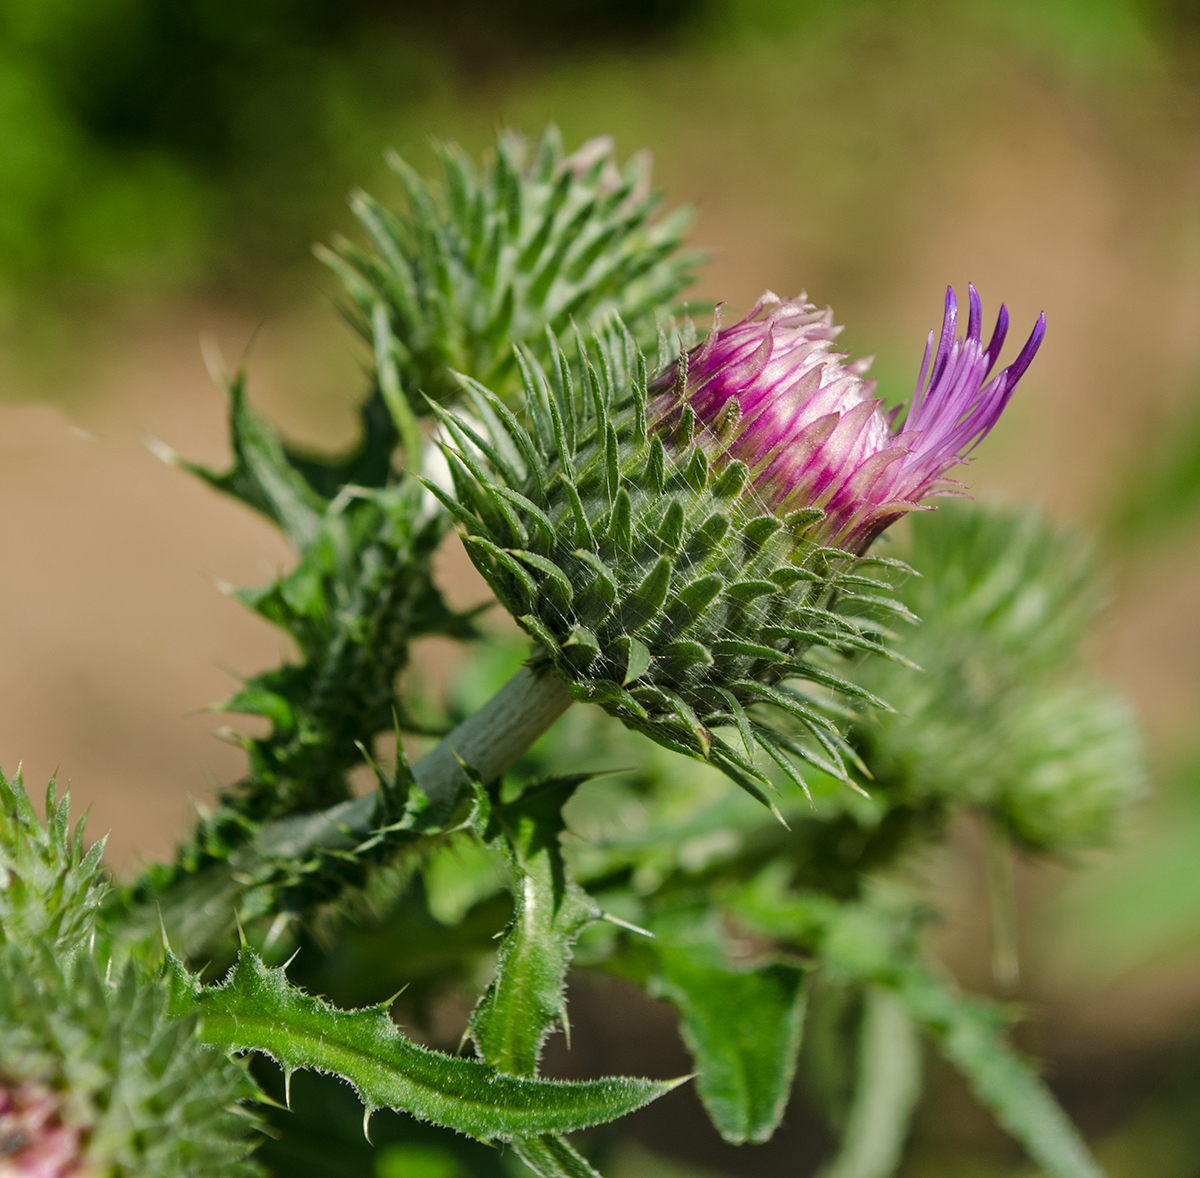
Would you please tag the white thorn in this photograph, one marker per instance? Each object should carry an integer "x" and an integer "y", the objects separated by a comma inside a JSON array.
[{"x": 633, "y": 928}]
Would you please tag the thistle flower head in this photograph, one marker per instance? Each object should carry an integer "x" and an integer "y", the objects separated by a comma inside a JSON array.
[
  {"x": 689, "y": 551},
  {"x": 770, "y": 392}
]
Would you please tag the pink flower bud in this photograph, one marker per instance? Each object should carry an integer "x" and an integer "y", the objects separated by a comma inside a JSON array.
[{"x": 34, "y": 1140}]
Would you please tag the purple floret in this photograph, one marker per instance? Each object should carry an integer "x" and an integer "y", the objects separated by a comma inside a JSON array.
[{"x": 770, "y": 391}]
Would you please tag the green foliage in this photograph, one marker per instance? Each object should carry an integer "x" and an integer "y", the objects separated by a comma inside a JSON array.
[
  {"x": 657, "y": 589},
  {"x": 741, "y": 1024},
  {"x": 792, "y": 896},
  {"x": 1005, "y": 601},
  {"x": 360, "y": 593},
  {"x": 660, "y": 590},
  {"x": 257, "y": 1009},
  {"x": 534, "y": 240},
  {"x": 526, "y": 998},
  {"x": 166, "y": 139},
  {"x": 362, "y": 588}
]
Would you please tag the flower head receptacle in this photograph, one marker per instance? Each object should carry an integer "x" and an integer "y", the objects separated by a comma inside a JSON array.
[{"x": 690, "y": 551}]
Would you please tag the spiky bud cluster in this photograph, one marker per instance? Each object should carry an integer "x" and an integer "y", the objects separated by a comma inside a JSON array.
[
  {"x": 1004, "y": 715},
  {"x": 494, "y": 255},
  {"x": 689, "y": 551},
  {"x": 96, "y": 1075}
]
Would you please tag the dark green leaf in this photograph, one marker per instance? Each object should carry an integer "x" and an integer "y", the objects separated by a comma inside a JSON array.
[
  {"x": 525, "y": 1000},
  {"x": 551, "y": 1157}
]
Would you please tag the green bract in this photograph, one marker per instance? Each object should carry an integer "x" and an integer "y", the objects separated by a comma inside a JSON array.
[{"x": 654, "y": 580}]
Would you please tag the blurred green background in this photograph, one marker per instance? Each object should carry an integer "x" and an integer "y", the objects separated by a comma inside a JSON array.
[{"x": 165, "y": 166}]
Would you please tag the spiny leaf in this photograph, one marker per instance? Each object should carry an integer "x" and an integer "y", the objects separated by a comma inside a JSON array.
[
  {"x": 262, "y": 476},
  {"x": 257, "y": 1009},
  {"x": 551, "y": 1157}
]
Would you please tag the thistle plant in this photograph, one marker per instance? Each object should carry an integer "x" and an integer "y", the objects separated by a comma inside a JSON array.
[{"x": 690, "y": 543}]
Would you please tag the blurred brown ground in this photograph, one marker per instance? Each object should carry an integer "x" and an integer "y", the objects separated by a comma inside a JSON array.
[{"x": 872, "y": 190}]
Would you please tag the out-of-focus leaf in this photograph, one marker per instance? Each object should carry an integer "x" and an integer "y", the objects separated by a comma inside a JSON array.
[
  {"x": 873, "y": 942},
  {"x": 970, "y": 1034},
  {"x": 888, "y": 1085},
  {"x": 1161, "y": 492},
  {"x": 742, "y": 1025},
  {"x": 257, "y": 1009}
]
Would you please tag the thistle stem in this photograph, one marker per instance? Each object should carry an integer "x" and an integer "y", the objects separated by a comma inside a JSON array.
[
  {"x": 201, "y": 908},
  {"x": 489, "y": 741},
  {"x": 1002, "y": 907}
]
